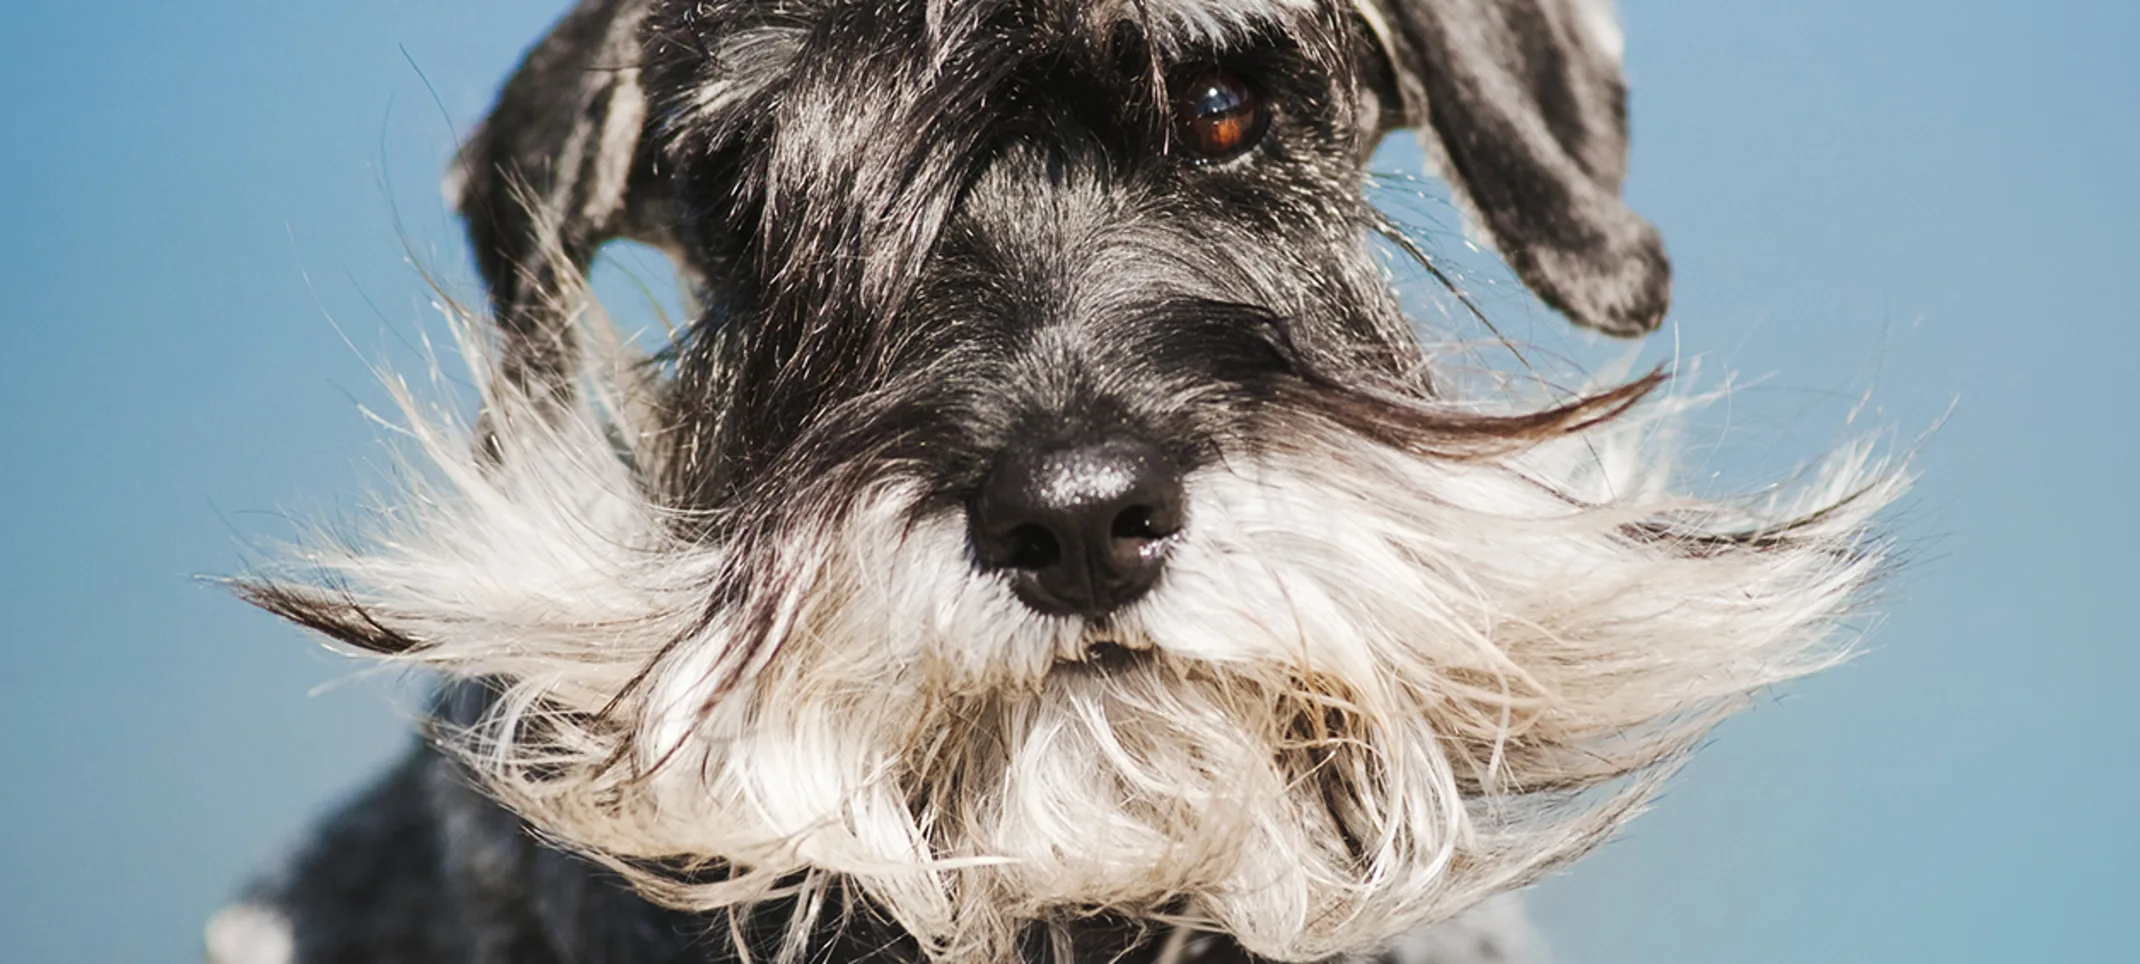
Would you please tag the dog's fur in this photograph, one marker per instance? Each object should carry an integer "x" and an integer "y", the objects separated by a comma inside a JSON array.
[{"x": 735, "y": 678}]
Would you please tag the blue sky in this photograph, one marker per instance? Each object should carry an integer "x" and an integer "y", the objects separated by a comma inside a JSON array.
[{"x": 1881, "y": 212}]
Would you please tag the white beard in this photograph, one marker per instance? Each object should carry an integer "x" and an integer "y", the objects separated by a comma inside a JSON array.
[{"x": 1375, "y": 687}]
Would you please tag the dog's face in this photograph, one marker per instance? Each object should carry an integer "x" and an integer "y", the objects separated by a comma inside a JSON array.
[
  {"x": 976, "y": 249},
  {"x": 1052, "y": 511}
]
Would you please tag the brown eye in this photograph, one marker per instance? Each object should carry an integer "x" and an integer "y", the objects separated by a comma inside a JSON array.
[{"x": 1218, "y": 115}]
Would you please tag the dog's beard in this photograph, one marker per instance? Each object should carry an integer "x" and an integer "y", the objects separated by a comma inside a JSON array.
[{"x": 1372, "y": 688}]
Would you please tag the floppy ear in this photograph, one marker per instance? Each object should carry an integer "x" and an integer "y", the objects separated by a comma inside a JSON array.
[
  {"x": 557, "y": 169},
  {"x": 1523, "y": 105}
]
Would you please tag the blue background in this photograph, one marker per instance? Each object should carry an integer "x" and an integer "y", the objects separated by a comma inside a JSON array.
[{"x": 1879, "y": 210}]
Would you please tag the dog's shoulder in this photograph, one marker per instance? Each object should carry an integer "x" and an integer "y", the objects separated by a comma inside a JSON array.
[{"x": 420, "y": 867}]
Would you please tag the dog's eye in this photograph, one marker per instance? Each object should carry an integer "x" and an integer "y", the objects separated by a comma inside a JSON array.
[{"x": 1218, "y": 115}]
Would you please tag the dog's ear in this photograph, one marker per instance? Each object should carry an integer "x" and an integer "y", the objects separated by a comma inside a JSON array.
[
  {"x": 557, "y": 169},
  {"x": 1522, "y": 104}
]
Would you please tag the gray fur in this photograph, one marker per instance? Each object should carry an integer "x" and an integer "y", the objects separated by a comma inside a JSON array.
[{"x": 719, "y": 637}]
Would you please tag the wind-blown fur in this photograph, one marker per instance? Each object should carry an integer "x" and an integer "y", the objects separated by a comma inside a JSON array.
[
  {"x": 1391, "y": 683},
  {"x": 718, "y": 617}
]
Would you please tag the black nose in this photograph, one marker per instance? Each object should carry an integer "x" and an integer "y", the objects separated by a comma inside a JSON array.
[{"x": 1081, "y": 530}]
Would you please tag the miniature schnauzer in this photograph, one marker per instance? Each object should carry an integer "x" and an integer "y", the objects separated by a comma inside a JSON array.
[{"x": 1049, "y": 539}]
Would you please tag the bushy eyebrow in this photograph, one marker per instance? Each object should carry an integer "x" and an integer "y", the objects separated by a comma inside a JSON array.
[{"x": 1184, "y": 27}]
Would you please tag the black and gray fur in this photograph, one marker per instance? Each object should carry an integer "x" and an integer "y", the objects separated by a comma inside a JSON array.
[{"x": 929, "y": 236}]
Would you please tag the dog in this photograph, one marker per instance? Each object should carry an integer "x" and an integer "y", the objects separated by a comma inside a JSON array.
[{"x": 1050, "y": 538}]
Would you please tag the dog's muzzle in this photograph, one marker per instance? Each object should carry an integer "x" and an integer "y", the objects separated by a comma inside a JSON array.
[{"x": 1079, "y": 530}]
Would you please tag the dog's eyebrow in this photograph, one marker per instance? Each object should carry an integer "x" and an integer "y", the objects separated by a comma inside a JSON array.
[{"x": 1175, "y": 25}]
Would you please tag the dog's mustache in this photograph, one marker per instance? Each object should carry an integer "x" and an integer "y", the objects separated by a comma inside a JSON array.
[{"x": 1354, "y": 620}]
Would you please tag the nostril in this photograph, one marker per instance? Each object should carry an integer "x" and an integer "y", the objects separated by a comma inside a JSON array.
[
  {"x": 1032, "y": 547},
  {"x": 1141, "y": 522}
]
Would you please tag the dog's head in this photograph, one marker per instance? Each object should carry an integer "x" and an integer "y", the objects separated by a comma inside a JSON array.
[{"x": 1051, "y": 511}]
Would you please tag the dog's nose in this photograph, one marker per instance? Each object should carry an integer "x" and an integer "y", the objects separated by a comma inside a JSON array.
[{"x": 1082, "y": 530}]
